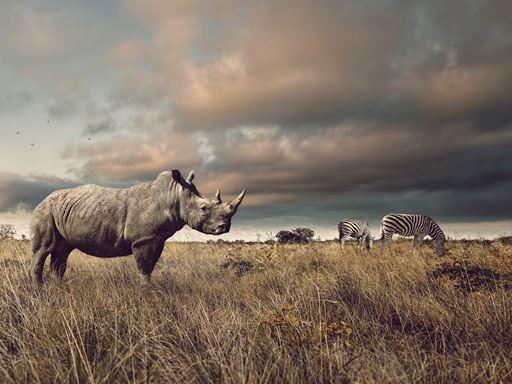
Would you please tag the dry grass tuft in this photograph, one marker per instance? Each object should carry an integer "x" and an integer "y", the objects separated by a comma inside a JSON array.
[{"x": 236, "y": 313}]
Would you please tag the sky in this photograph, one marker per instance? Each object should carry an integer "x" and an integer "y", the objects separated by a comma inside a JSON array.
[{"x": 322, "y": 109}]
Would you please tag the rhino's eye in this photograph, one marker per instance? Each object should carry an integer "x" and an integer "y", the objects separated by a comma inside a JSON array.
[{"x": 204, "y": 208}]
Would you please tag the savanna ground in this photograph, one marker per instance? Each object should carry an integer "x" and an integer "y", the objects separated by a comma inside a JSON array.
[{"x": 259, "y": 313}]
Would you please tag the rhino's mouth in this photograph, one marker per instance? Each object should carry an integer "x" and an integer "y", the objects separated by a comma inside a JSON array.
[{"x": 222, "y": 228}]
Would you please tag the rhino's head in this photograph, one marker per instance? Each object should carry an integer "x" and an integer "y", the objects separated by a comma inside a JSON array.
[{"x": 211, "y": 216}]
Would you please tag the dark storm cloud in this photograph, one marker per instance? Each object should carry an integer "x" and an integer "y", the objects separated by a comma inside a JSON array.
[
  {"x": 461, "y": 170},
  {"x": 25, "y": 192},
  {"x": 302, "y": 63},
  {"x": 446, "y": 206}
]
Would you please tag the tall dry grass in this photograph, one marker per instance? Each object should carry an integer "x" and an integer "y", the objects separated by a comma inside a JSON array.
[{"x": 236, "y": 313}]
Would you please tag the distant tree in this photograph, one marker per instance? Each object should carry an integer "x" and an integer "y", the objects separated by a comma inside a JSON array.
[
  {"x": 285, "y": 237},
  {"x": 7, "y": 231},
  {"x": 304, "y": 233},
  {"x": 297, "y": 235}
]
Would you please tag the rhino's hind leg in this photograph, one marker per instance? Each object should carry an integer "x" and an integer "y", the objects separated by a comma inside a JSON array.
[
  {"x": 38, "y": 259},
  {"x": 146, "y": 255},
  {"x": 59, "y": 258},
  {"x": 40, "y": 252},
  {"x": 43, "y": 243}
]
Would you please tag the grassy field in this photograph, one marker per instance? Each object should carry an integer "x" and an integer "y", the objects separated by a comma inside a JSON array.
[{"x": 242, "y": 313}]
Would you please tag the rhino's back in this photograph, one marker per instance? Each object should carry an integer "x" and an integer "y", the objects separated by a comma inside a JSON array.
[{"x": 92, "y": 218}]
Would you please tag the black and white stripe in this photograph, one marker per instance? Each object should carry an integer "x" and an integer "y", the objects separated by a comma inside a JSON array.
[
  {"x": 418, "y": 226},
  {"x": 357, "y": 229}
]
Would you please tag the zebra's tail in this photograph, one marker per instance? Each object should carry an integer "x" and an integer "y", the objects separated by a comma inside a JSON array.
[{"x": 340, "y": 225}]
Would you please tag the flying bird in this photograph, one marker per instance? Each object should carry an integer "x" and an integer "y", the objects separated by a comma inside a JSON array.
[
  {"x": 33, "y": 144},
  {"x": 17, "y": 132},
  {"x": 48, "y": 121},
  {"x": 89, "y": 139}
]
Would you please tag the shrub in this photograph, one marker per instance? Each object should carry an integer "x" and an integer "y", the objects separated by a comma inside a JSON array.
[
  {"x": 297, "y": 235},
  {"x": 7, "y": 231}
]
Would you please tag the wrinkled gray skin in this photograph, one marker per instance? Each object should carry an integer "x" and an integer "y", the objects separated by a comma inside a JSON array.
[{"x": 108, "y": 222}]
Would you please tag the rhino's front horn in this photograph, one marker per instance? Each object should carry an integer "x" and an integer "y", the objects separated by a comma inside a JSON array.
[
  {"x": 217, "y": 197},
  {"x": 236, "y": 202}
]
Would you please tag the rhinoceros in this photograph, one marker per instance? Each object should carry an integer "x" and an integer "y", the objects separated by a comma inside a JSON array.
[{"x": 111, "y": 222}]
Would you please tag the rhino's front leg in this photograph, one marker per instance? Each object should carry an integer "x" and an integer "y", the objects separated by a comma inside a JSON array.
[{"x": 146, "y": 255}]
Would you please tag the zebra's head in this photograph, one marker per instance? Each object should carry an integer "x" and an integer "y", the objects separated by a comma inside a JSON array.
[
  {"x": 439, "y": 246},
  {"x": 439, "y": 243},
  {"x": 437, "y": 235}
]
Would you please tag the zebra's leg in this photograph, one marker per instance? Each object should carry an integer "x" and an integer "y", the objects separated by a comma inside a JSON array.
[
  {"x": 386, "y": 241},
  {"x": 368, "y": 243},
  {"x": 418, "y": 239},
  {"x": 383, "y": 242},
  {"x": 342, "y": 242},
  {"x": 421, "y": 236},
  {"x": 359, "y": 244}
]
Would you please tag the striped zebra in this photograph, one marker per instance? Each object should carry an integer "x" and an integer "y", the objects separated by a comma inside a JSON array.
[
  {"x": 357, "y": 229},
  {"x": 418, "y": 226}
]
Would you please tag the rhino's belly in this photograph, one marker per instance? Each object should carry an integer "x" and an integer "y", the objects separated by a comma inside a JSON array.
[
  {"x": 96, "y": 235},
  {"x": 97, "y": 239},
  {"x": 103, "y": 249}
]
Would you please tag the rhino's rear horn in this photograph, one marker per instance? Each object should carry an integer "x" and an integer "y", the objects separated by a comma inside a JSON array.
[{"x": 217, "y": 197}]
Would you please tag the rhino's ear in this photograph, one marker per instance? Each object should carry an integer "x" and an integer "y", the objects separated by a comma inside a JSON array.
[
  {"x": 190, "y": 177},
  {"x": 176, "y": 175}
]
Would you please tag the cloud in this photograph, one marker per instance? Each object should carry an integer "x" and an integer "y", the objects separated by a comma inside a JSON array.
[
  {"x": 25, "y": 192},
  {"x": 15, "y": 100},
  {"x": 139, "y": 153},
  {"x": 319, "y": 64},
  {"x": 37, "y": 32},
  {"x": 304, "y": 101},
  {"x": 386, "y": 105},
  {"x": 100, "y": 127},
  {"x": 279, "y": 167}
]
